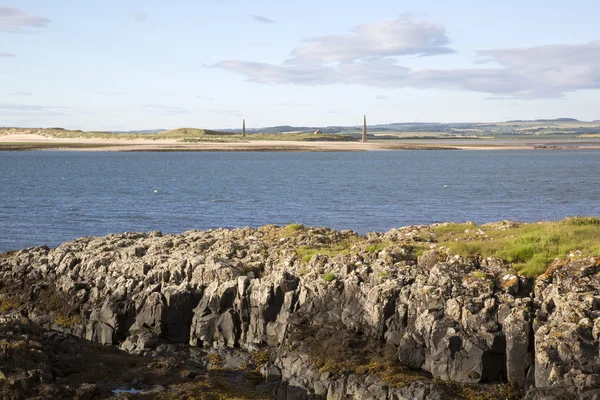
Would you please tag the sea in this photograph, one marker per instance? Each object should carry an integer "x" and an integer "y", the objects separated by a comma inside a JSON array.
[{"x": 48, "y": 197}]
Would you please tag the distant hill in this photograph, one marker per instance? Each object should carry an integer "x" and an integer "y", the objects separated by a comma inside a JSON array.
[
  {"x": 537, "y": 127},
  {"x": 284, "y": 128},
  {"x": 546, "y": 120}
]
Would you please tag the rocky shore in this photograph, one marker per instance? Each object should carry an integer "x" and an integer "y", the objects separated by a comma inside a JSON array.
[{"x": 293, "y": 313}]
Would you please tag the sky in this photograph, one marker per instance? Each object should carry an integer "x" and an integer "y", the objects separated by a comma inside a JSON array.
[{"x": 146, "y": 64}]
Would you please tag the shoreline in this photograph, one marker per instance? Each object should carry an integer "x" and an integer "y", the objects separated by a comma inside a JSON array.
[{"x": 24, "y": 142}]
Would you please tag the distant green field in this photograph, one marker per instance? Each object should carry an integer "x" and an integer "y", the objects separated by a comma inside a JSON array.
[
  {"x": 286, "y": 137},
  {"x": 409, "y": 134},
  {"x": 417, "y": 135},
  {"x": 180, "y": 133}
]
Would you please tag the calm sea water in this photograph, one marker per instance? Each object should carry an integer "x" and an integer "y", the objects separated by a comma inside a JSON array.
[{"x": 47, "y": 197}]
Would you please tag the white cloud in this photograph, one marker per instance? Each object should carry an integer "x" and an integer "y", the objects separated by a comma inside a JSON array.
[
  {"x": 268, "y": 73},
  {"x": 7, "y": 55},
  {"x": 548, "y": 71},
  {"x": 14, "y": 20},
  {"x": 139, "y": 16},
  {"x": 372, "y": 56},
  {"x": 402, "y": 36},
  {"x": 12, "y": 109},
  {"x": 20, "y": 93},
  {"x": 263, "y": 20}
]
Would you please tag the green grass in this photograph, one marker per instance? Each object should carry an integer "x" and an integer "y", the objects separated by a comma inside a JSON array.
[
  {"x": 373, "y": 248},
  {"x": 479, "y": 274},
  {"x": 582, "y": 220},
  {"x": 530, "y": 247},
  {"x": 307, "y": 252},
  {"x": 292, "y": 228},
  {"x": 449, "y": 229},
  {"x": 328, "y": 277}
]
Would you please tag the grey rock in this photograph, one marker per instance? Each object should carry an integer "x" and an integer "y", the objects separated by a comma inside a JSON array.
[{"x": 466, "y": 320}]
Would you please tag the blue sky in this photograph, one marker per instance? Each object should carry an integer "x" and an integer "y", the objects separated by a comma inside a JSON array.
[{"x": 134, "y": 64}]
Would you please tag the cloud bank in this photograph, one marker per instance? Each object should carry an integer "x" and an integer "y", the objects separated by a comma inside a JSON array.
[
  {"x": 371, "y": 55},
  {"x": 13, "y": 20},
  {"x": 402, "y": 36},
  {"x": 12, "y": 109},
  {"x": 263, "y": 20}
]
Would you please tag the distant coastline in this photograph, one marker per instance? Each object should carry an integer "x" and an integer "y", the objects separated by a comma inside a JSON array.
[{"x": 27, "y": 141}]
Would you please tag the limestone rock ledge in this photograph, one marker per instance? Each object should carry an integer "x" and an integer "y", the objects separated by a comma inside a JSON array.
[{"x": 376, "y": 318}]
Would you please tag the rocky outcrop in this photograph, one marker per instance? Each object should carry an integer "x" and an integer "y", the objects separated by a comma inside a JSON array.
[
  {"x": 411, "y": 317},
  {"x": 567, "y": 325}
]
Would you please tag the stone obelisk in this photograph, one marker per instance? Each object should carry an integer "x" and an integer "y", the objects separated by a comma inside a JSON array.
[
  {"x": 364, "y": 136},
  {"x": 243, "y": 128}
]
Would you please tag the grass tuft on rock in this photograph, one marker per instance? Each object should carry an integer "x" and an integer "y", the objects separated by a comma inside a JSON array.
[
  {"x": 305, "y": 253},
  {"x": 328, "y": 277},
  {"x": 66, "y": 320}
]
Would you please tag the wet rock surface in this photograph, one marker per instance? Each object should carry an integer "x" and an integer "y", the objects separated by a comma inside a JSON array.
[{"x": 294, "y": 313}]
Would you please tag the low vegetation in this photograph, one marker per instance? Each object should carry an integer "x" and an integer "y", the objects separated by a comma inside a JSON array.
[
  {"x": 215, "y": 360},
  {"x": 343, "y": 352},
  {"x": 191, "y": 132},
  {"x": 11, "y": 303},
  {"x": 375, "y": 247},
  {"x": 293, "y": 228},
  {"x": 260, "y": 358},
  {"x": 66, "y": 320},
  {"x": 328, "y": 277},
  {"x": 305, "y": 253},
  {"x": 285, "y": 137},
  {"x": 61, "y": 133},
  {"x": 185, "y": 135},
  {"x": 529, "y": 247}
]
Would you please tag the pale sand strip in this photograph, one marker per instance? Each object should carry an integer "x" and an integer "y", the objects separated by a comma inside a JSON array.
[{"x": 255, "y": 145}]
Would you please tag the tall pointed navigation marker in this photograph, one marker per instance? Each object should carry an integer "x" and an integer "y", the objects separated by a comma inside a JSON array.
[{"x": 364, "y": 135}]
